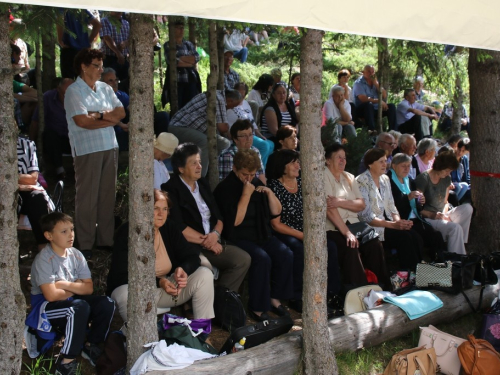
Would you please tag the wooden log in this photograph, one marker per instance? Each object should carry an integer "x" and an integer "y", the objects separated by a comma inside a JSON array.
[{"x": 348, "y": 333}]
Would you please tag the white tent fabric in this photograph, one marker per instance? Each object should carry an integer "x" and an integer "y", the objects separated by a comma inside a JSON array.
[{"x": 457, "y": 22}]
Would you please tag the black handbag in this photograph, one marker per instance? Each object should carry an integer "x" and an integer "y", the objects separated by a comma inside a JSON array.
[
  {"x": 258, "y": 333},
  {"x": 229, "y": 311},
  {"x": 362, "y": 231}
]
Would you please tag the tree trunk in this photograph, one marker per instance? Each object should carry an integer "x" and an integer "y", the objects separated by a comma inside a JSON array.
[
  {"x": 36, "y": 132},
  {"x": 49, "y": 59},
  {"x": 12, "y": 301},
  {"x": 318, "y": 352},
  {"x": 485, "y": 150},
  {"x": 349, "y": 333},
  {"x": 220, "y": 51},
  {"x": 383, "y": 51},
  {"x": 192, "y": 31},
  {"x": 213, "y": 78},
  {"x": 458, "y": 99},
  {"x": 172, "y": 62},
  {"x": 141, "y": 256}
]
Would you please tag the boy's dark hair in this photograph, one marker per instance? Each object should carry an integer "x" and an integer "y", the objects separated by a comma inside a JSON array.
[{"x": 48, "y": 222}]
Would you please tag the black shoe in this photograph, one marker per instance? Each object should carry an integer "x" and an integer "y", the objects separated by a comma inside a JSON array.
[
  {"x": 92, "y": 353},
  {"x": 280, "y": 310},
  {"x": 67, "y": 368},
  {"x": 259, "y": 318},
  {"x": 295, "y": 304},
  {"x": 87, "y": 254}
]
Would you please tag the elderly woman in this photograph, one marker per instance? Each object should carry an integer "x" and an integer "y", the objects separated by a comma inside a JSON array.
[
  {"x": 179, "y": 277},
  {"x": 409, "y": 202},
  {"x": 381, "y": 213},
  {"x": 426, "y": 152},
  {"x": 435, "y": 184},
  {"x": 197, "y": 215},
  {"x": 92, "y": 109},
  {"x": 243, "y": 111},
  {"x": 344, "y": 203},
  {"x": 164, "y": 146},
  {"x": 286, "y": 139},
  {"x": 277, "y": 112},
  {"x": 289, "y": 226},
  {"x": 248, "y": 207}
]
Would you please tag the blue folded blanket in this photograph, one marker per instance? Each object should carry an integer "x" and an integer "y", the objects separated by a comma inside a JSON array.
[{"x": 416, "y": 303}]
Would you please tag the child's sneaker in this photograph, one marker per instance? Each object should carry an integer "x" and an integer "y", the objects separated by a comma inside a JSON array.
[
  {"x": 67, "y": 368},
  {"x": 92, "y": 353}
]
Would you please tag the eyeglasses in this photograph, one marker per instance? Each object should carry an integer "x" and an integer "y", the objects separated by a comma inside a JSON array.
[
  {"x": 246, "y": 136},
  {"x": 98, "y": 67},
  {"x": 390, "y": 143}
]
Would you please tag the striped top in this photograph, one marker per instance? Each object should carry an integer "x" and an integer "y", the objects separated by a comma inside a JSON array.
[
  {"x": 27, "y": 161},
  {"x": 286, "y": 119}
]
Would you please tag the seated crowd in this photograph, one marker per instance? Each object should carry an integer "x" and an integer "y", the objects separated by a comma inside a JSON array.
[{"x": 252, "y": 224}]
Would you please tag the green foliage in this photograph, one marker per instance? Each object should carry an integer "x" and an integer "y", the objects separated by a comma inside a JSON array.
[
  {"x": 356, "y": 148},
  {"x": 43, "y": 366}
]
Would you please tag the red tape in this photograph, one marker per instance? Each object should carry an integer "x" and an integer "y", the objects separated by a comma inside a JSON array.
[{"x": 484, "y": 174}]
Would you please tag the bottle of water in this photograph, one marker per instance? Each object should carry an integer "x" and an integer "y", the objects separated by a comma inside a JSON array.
[{"x": 240, "y": 345}]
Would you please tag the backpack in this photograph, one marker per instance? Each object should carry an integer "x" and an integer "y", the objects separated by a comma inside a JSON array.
[{"x": 478, "y": 357}]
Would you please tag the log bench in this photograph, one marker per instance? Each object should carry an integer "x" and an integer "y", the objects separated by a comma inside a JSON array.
[{"x": 348, "y": 334}]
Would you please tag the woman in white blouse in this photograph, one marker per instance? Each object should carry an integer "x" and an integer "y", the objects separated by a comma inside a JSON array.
[
  {"x": 344, "y": 203},
  {"x": 381, "y": 213}
]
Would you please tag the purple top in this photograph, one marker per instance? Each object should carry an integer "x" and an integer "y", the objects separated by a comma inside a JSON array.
[{"x": 55, "y": 115}]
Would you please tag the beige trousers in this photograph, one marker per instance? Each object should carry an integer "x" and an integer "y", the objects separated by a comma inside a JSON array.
[{"x": 200, "y": 288}]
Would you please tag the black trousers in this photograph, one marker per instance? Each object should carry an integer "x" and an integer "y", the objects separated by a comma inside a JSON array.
[
  {"x": 433, "y": 240},
  {"x": 71, "y": 318},
  {"x": 369, "y": 113},
  {"x": 408, "y": 244},
  {"x": 413, "y": 126},
  {"x": 54, "y": 147},
  {"x": 67, "y": 59},
  {"x": 35, "y": 204}
]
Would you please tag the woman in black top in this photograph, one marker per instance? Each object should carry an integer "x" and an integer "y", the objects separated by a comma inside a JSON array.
[
  {"x": 409, "y": 202},
  {"x": 248, "y": 207},
  {"x": 289, "y": 226},
  {"x": 277, "y": 112},
  {"x": 179, "y": 277},
  {"x": 195, "y": 211}
]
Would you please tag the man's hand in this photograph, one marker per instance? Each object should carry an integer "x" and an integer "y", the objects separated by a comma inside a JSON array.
[
  {"x": 352, "y": 241},
  {"x": 385, "y": 107},
  {"x": 120, "y": 58},
  {"x": 30, "y": 187}
]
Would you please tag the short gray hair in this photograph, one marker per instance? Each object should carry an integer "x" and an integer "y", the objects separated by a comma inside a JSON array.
[
  {"x": 419, "y": 79},
  {"x": 382, "y": 137},
  {"x": 395, "y": 134},
  {"x": 400, "y": 158},
  {"x": 404, "y": 138},
  {"x": 107, "y": 71},
  {"x": 426, "y": 144},
  {"x": 337, "y": 89},
  {"x": 232, "y": 94}
]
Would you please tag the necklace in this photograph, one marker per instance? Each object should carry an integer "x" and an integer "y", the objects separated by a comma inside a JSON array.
[{"x": 287, "y": 187}]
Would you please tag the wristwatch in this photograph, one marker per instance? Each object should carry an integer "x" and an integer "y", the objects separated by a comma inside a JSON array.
[{"x": 101, "y": 115}]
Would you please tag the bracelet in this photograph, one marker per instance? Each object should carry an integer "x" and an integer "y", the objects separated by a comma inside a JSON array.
[{"x": 217, "y": 233}]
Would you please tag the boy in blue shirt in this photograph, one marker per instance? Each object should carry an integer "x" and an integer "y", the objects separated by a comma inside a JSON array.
[{"x": 61, "y": 296}]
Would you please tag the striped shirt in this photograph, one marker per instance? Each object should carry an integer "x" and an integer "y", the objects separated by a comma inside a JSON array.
[
  {"x": 231, "y": 79},
  {"x": 27, "y": 161},
  {"x": 81, "y": 99},
  {"x": 286, "y": 119},
  {"x": 194, "y": 114},
  {"x": 108, "y": 29}
]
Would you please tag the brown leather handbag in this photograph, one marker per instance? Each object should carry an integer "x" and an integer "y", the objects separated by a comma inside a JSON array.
[
  {"x": 416, "y": 361},
  {"x": 478, "y": 357}
]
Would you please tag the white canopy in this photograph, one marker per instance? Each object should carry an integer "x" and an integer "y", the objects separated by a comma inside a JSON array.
[{"x": 464, "y": 23}]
